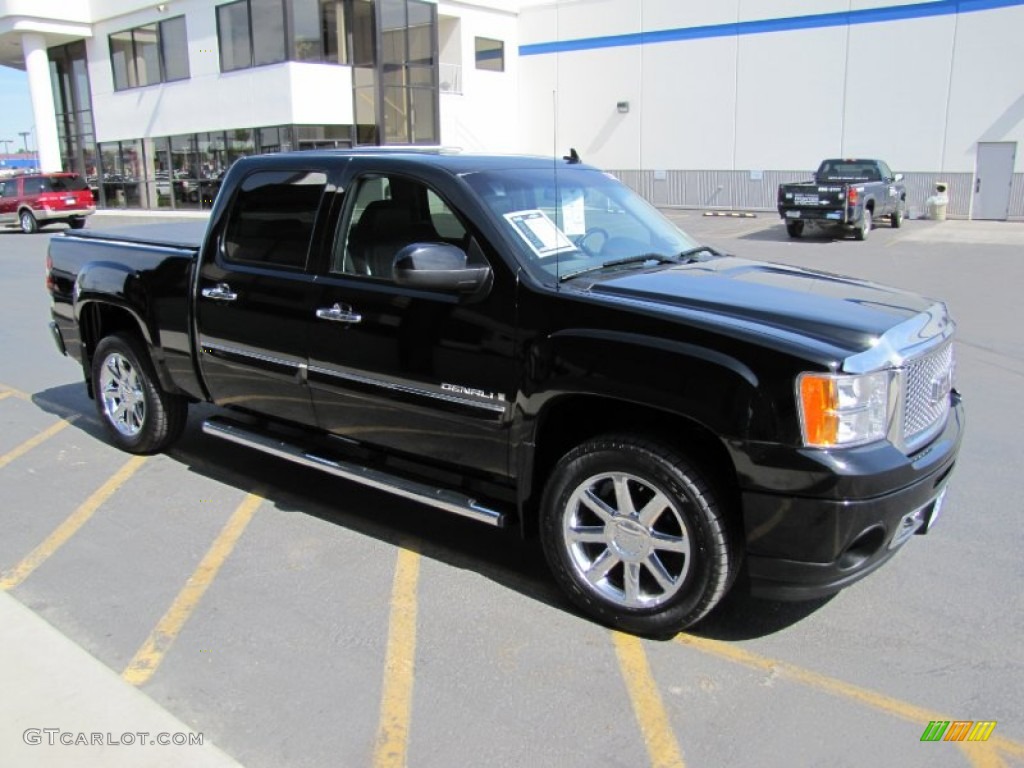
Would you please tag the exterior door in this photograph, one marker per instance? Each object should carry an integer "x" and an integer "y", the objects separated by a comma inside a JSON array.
[
  {"x": 422, "y": 372},
  {"x": 256, "y": 296},
  {"x": 993, "y": 179},
  {"x": 8, "y": 201}
]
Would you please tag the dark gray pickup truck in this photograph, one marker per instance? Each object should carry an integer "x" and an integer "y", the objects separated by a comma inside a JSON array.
[
  {"x": 850, "y": 194},
  {"x": 526, "y": 342}
]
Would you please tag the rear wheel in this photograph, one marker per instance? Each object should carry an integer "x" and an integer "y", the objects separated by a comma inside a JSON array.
[
  {"x": 861, "y": 233},
  {"x": 139, "y": 416},
  {"x": 635, "y": 536},
  {"x": 76, "y": 222},
  {"x": 794, "y": 228},
  {"x": 28, "y": 222}
]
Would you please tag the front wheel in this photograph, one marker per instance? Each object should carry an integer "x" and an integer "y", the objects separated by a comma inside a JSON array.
[
  {"x": 139, "y": 416},
  {"x": 896, "y": 218},
  {"x": 635, "y": 536}
]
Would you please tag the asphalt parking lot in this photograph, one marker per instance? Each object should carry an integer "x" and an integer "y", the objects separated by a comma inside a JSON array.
[{"x": 297, "y": 620}]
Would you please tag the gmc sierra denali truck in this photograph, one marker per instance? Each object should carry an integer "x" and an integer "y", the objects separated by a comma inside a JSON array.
[
  {"x": 846, "y": 193},
  {"x": 528, "y": 343}
]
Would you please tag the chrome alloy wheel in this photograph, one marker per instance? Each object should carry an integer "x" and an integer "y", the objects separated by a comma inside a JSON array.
[
  {"x": 627, "y": 540},
  {"x": 124, "y": 402}
]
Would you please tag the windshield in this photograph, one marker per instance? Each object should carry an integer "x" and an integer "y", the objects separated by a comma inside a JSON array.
[{"x": 568, "y": 220}]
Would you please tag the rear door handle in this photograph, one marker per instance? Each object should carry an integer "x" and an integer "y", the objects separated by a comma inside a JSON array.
[
  {"x": 220, "y": 292},
  {"x": 339, "y": 314},
  {"x": 977, "y": 184}
]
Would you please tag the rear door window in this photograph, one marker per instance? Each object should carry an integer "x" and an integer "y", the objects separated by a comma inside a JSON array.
[
  {"x": 34, "y": 186},
  {"x": 273, "y": 218}
]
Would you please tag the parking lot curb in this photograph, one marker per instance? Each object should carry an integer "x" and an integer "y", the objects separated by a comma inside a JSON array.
[{"x": 63, "y": 707}]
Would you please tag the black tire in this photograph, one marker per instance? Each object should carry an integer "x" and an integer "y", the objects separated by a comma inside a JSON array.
[
  {"x": 76, "y": 222},
  {"x": 861, "y": 233},
  {"x": 794, "y": 228},
  {"x": 628, "y": 476},
  {"x": 139, "y": 416},
  {"x": 896, "y": 218},
  {"x": 28, "y": 222}
]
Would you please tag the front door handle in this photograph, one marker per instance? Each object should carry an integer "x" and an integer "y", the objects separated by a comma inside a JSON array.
[
  {"x": 339, "y": 314},
  {"x": 977, "y": 185},
  {"x": 220, "y": 292}
]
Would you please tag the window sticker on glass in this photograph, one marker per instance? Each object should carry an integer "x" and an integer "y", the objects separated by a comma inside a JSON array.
[
  {"x": 574, "y": 217},
  {"x": 539, "y": 232}
]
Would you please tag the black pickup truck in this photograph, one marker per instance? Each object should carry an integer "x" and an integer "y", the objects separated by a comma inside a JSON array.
[
  {"x": 846, "y": 193},
  {"x": 527, "y": 342}
]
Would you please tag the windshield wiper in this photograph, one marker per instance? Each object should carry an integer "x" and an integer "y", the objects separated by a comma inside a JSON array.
[
  {"x": 641, "y": 259},
  {"x": 687, "y": 256}
]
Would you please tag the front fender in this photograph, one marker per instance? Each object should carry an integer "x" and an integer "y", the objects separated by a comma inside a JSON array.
[{"x": 708, "y": 386}]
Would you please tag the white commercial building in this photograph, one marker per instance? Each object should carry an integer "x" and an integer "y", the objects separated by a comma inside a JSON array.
[{"x": 704, "y": 103}]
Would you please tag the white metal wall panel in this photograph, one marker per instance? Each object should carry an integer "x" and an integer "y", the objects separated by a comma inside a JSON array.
[{"x": 987, "y": 85}]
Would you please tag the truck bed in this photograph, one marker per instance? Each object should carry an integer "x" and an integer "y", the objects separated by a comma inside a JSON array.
[{"x": 178, "y": 234}]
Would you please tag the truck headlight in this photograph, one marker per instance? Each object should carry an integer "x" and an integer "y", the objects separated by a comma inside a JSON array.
[{"x": 839, "y": 410}]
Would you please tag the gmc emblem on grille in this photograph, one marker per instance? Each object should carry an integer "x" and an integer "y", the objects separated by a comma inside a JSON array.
[{"x": 940, "y": 387}]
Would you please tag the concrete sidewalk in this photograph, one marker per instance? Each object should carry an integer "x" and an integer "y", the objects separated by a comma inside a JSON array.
[{"x": 59, "y": 706}]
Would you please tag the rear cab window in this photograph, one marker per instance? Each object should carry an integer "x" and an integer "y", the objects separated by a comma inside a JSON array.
[{"x": 273, "y": 218}]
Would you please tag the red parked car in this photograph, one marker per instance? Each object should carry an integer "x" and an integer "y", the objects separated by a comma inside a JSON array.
[{"x": 33, "y": 200}]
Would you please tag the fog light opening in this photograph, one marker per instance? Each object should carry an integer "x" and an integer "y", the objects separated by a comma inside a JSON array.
[{"x": 862, "y": 548}]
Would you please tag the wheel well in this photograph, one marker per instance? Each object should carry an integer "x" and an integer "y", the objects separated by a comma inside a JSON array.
[
  {"x": 98, "y": 321},
  {"x": 567, "y": 424}
]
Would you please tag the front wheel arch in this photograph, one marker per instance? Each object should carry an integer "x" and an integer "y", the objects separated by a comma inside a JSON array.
[
  {"x": 637, "y": 535},
  {"x": 572, "y": 420}
]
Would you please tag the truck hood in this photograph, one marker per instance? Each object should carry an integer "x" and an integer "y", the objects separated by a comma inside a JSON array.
[{"x": 844, "y": 314}]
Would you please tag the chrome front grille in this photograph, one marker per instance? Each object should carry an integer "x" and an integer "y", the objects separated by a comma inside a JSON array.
[{"x": 928, "y": 380}]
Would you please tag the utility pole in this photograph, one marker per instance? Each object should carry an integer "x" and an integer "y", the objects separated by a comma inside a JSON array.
[
  {"x": 7, "y": 145},
  {"x": 24, "y": 141}
]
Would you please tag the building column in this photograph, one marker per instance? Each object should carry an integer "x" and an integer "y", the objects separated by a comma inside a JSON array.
[{"x": 37, "y": 64}]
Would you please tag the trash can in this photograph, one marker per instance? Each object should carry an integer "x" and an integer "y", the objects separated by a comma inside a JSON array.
[{"x": 938, "y": 202}]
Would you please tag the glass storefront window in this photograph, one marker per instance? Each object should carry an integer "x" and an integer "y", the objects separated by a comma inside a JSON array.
[
  {"x": 268, "y": 36},
  {"x": 423, "y": 117},
  {"x": 490, "y": 54},
  {"x": 364, "y": 34},
  {"x": 174, "y": 49},
  {"x": 233, "y": 36},
  {"x": 147, "y": 54},
  {"x": 122, "y": 59},
  {"x": 304, "y": 17}
]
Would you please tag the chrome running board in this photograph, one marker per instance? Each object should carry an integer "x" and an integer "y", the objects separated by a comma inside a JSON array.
[{"x": 441, "y": 498}]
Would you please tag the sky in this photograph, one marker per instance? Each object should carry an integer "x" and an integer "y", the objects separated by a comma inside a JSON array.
[{"x": 15, "y": 109}]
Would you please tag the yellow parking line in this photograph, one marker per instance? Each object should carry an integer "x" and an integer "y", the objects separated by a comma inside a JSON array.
[
  {"x": 396, "y": 695},
  {"x": 7, "y": 391},
  {"x": 32, "y": 442},
  {"x": 980, "y": 754},
  {"x": 662, "y": 747},
  {"x": 149, "y": 657},
  {"x": 70, "y": 526}
]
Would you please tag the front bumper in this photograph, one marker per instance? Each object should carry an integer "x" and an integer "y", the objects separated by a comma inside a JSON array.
[{"x": 805, "y": 547}]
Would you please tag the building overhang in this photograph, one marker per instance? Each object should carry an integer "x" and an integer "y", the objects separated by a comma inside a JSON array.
[{"x": 54, "y": 32}]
